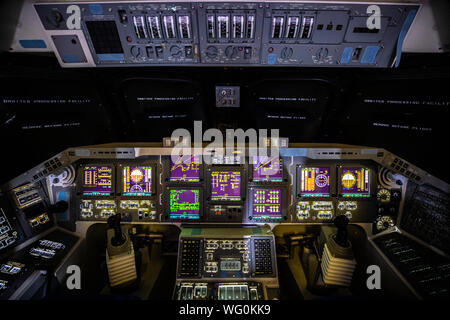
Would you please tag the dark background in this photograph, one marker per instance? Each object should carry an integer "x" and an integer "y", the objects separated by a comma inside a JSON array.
[{"x": 45, "y": 109}]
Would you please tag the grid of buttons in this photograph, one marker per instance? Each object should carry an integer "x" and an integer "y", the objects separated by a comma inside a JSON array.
[
  {"x": 263, "y": 257},
  {"x": 190, "y": 258}
]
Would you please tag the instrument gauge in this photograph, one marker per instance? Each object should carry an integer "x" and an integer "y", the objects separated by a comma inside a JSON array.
[
  {"x": 384, "y": 222},
  {"x": 384, "y": 195}
]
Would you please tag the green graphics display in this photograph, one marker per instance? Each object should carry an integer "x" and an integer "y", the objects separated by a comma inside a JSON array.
[{"x": 184, "y": 204}]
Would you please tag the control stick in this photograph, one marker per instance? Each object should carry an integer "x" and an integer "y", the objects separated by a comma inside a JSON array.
[
  {"x": 120, "y": 258},
  {"x": 114, "y": 222},
  {"x": 341, "y": 237}
]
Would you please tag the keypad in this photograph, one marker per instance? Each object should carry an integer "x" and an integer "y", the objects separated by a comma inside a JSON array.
[
  {"x": 263, "y": 257},
  {"x": 190, "y": 258}
]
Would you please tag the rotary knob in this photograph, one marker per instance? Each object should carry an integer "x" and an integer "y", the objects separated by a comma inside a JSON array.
[
  {"x": 175, "y": 51},
  {"x": 322, "y": 53},
  {"x": 231, "y": 52},
  {"x": 286, "y": 52},
  {"x": 135, "y": 51},
  {"x": 57, "y": 17},
  {"x": 211, "y": 52}
]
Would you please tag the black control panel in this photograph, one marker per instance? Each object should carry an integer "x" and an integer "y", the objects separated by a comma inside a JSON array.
[
  {"x": 45, "y": 254},
  {"x": 427, "y": 271},
  {"x": 9, "y": 233},
  {"x": 427, "y": 215},
  {"x": 219, "y": 291},
  {"x": 252, "y": 257}
]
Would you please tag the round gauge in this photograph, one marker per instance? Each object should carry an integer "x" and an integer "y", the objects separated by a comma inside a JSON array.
[
  {"x": 321, "y": 180},
  {"x": 348, "y": 180},
  {"x": 384, "y": 222},
  {"x": 136, "y": 175},
  {"x": 384, "y": 195}
]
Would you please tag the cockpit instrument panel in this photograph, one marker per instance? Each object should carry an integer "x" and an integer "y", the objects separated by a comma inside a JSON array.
[{"x": 268, "y": 33}]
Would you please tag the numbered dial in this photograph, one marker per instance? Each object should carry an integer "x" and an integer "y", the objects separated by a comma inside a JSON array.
[
  {"x": 384, "y": 222},
  {"x": 384, "y": 195}
]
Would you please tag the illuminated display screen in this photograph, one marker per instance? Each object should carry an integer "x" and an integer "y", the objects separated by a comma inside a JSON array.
[
  {"x": 97, "y": 180},
  {"x": 184, "y": 204},
  {"x": 137, "y": 181},
  {"x": 315, "y": 182},
  {"x": 266, "y": 203},
  {"x": 355, "y": 182},
  {"x": 226, "y": 185},
  {"x": 185, "y": 168},
  {"x": 267, "y": 168}
]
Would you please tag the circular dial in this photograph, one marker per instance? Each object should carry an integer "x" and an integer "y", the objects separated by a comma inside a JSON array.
[
  {"x": 175, "y": 51},
  {"x": 231, "y": 52},
  {"x": 384, "y": 222},
  {"x": 384, "y": 195},
  {"x": 211, "y": 52},
  {"x": 135, "y": 51},
  {"x": 321, "y": 180},
  {"x": 322, "y": 53},
  {"x": 286, "y": 52}
]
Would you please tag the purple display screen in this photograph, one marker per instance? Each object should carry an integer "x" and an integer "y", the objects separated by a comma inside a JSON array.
[
  {"x": 266, "y": 203},
  {"x": 267, "y": 168},
  {"x": 184, "y": 204},
  {"x": 315, "y": 182},
  {"x": 184, "y": 168},
  {"x": 97, "y": 180},
  {"x": 355, "y": 182},
  {"x": 137, "y": 181},
  {"x": 226, "y": 185}
]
